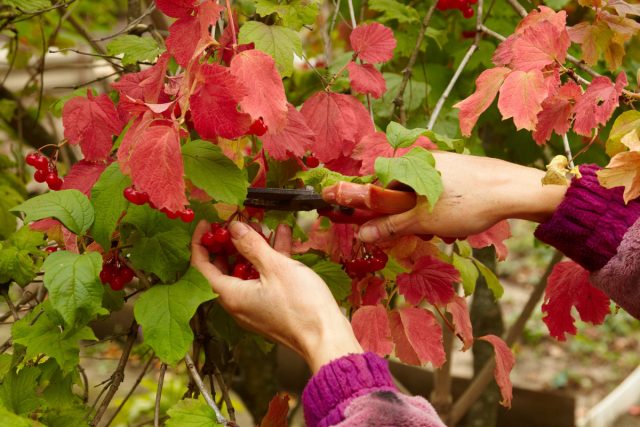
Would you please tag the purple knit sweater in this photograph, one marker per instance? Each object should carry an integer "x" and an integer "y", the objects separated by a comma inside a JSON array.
[{"x": 592, "y": 226}]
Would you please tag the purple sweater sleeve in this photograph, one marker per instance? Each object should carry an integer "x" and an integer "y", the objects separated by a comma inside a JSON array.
[
  {"x": 357, "y": 391},
  {"x": 594, "y": 227}
]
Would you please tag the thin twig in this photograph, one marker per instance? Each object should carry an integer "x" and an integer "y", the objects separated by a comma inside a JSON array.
[
  {"x": 90, "y": 82},
  {"x": 12, "y": 308},
  {"x": 133, "y": 388},
  {"x": 156, "y": 412},
  {"x": 118, "y": 376},
  {"x": 485, "y": 376},
  {"x": 398, "y": 102},
  {"x": 567, "y": 150},
  {"x": 352, "y": 14},
  {"x": 520, "y": 10},
  {"x": 95, "y": 46},
  {"x": 85, "y": 381},
  {"x": 203, "y": 390},
  {"x": 226, "y": 397},
  {"x": 26, "y": 298}
]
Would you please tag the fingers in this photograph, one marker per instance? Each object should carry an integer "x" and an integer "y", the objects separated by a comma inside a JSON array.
[
  {"x": 387, "y": 227},
  {"x": 220, "y": 283},
  {"x": 252, "y": 246},
  {"x": 283, "y": 240},
  {"x": 368, "y": 196}
]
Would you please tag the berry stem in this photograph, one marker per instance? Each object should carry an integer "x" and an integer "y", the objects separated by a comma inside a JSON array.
[{"x": 232, "y": 25}]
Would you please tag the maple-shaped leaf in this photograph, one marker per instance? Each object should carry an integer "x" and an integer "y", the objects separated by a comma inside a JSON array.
[
  {"x": 461, "y": 321},
  {"x": 345, "y": 165},
  {"x": 376, "y": 145},
  {"x": 83, "y": 175},
  {"x": 568, "y": 286},
  {"x": 597, "y": 103},
  {"x": 623, "y": 170},
  {"x": 431, "y": 279},
  {"x": 293, "y": 140},
  {"x": 337, "y": 240},
  {"x": 417, "y": 336},
  {"x": 277, "y": 413},
  {"x": 557, "y": 112},
  {"x": 407, "y": 250},
  {"x": 266, "y": 99},
  {"x": 521, "y": 97},
  {"x": 371, "y": 328},
  {"x": 496, "y": 235},
  {"x": 487, "y": 85},
  {"x": 145, "y": 85},
  {"x": 539, "y": 46},
  {"x": 338, "y": 121},
  {"x": 190, "y": 34},
  {"x": 91, "y": 122},
  {"x": 366, "y": 79},
  {"x": 369, "y": 290},
  {"x": 543, "y": 14},
  {"x": 214, "y": 104},
  {"x": 157, "y": 168},
  {"x": 177, "y": 8},
  {"x": 504, "y": 364},
  {"x": 373, "y": 42}
]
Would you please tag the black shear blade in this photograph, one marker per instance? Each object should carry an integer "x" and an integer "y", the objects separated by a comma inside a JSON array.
[{"x": 285, "y": 199}]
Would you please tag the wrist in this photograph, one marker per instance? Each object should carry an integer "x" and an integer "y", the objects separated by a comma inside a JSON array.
[{"x": 331, "y": 342}]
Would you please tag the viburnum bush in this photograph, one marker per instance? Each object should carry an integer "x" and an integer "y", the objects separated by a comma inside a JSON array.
[{"x": 230, "y": 98}]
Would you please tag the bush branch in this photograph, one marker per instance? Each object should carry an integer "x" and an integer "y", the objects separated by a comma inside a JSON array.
[
  {"x": 156, "y": 412},
  {"x": 133, "y": 388},
  {"x": 203, "y": 390},
  {"x": 520, "y": 10}
]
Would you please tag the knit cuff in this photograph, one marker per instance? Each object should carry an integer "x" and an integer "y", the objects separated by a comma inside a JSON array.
[
  {"x": 331, "y": 390},
  {"x": 591, "y": 221}
]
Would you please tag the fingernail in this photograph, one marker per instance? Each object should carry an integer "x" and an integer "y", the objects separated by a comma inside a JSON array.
[
  {"x": 369, "y": 233},
  {"x": 238, "y": 229},
  {"x": 329, "y": 193}
]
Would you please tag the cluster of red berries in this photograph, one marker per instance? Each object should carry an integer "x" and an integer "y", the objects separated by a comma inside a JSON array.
[
  {"x": 218, "y": 242},
  {"x": 46, "y": 170},
  {"x": 140, "y": 198},
  {"x": 368, "y": 262},
  {"x": 311, "y": 161},
  {"x": 463, "y": 6},
  {"x": 116, "y": 273}
]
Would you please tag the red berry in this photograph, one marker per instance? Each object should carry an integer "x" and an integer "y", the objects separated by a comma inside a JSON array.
[
  {"x": 215, "y": 248},
  {"x": 215, "y": 226},
  {"x": 108, "y": 272},
  {"x": 118, "y": 283},
  {"x": 253, "y": 273},
  {"x": 467, "y": 13},
  {"x": 241, "y": 270},
  {"x": 32, "y": 159},
  {"x": 51, "y": 249},
  {"x": 208, "y": 239},
  {"x": 312, "y": 161},
  {"x": 136, "y": 197},
  {"x": 221, "y": 235},
  {"x": 126, "y": 274},
  {"x": 230, "y": 248},
  {"x": 170, "y": 214},
  {"x": 187, "y": 215},
  {"x": 53, "y": 181},
  {"x": 40, "y": 176},
  {"x": 258, "y": 128},
  {"x": 379, "y": 261}
]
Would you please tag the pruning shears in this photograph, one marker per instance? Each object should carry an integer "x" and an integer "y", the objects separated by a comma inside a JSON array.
[{"x": 343, "y": 202}]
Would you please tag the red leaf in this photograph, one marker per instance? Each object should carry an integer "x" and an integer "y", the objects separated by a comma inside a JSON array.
[
  {"x": 371, "y": 328},
  {"x": 569, "y": 286},
  {"x": 376, "y": 145},
  {"x": 189, "y": 35},
  {"x": 131, "y": 138},
  {"x": 91, "y": 122},
  {"x": 557, "y": 111},
  {"x": 373, "y": 42},
  {"x": 156, "y": 167},
  {"x": 257, "y": 70},
  {"x": 504, "y": 365},
  {"x": 366, "y": 79},
  {"x": 408, "y": 250},
  {"x": 177, "y": 8},
  {"x": 338, "y": 121},
  {"x": 214, "y": 104},
  {"x": 461, "y": 320},
  {"x": 145, "y": 85},
  {"x": 346, "y": 165},
  {"x": 418, "y": 336},
  {"x": 521, "y": 97},
  {"x": 495, "y": 236},
  {"x": 83, "y": 175},
  {"x": 337, "y": 241},
  {"x": 543, "y": 14},
  {"x": 430, "y": 279},
  {"x": 373, "y": 288},
  {"x": 597, "y": 104},
  {"x": 539, "y": 46},
  {"x": 293, "y": 140},
  {"x": 278, "y": 411},
  {"x": 487, "y": 86}
]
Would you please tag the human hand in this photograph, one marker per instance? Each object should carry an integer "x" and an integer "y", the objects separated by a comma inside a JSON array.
[
  {"x": 289, "y": 303},
  {"x": 478, "y": 193}
]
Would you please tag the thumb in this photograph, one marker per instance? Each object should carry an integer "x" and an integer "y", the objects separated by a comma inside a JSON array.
[
  {"x": 387, "y": 227},
  {"x": 251, "y": 245}
]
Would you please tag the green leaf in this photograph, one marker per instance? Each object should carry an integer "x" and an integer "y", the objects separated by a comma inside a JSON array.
[
  {"x": 464, "y": 248},
  {"x": 333, "y": 275},
  {"x": 293, "y": 13},
  {"x": 107, "y": 199},
  {"x": 134, "y": 49},
  {"x": 164, "y": 312},
  {"x": 321, "y": 177},
  {"x": 18, "y": 391},
  {"x": 10, "y": 419},
  {"x": 208, "y": 168},
  {"x": 159, "y": 245},
  {"x": 279, "y": 42},
  {"x": 413, "y": 97},
  {"x": 468, "y": 273},
  {"x": 191, "y": 413},
  {"x": 40, "y": 333},
  {"x": 75, "y": 290},
  {"x": 29, "y": 5},
  {"x": 492, "y": 281},
  {"x": 20, "y": 256},
  {"x": 394, "y": 10},
  {"x": 625, "y": 123},
  {"x": 446, "y": 143},
  {"x": 401, "y": 137},
  {"x": 70, "y": 207},
  {"x": 416, "y": 169}
]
